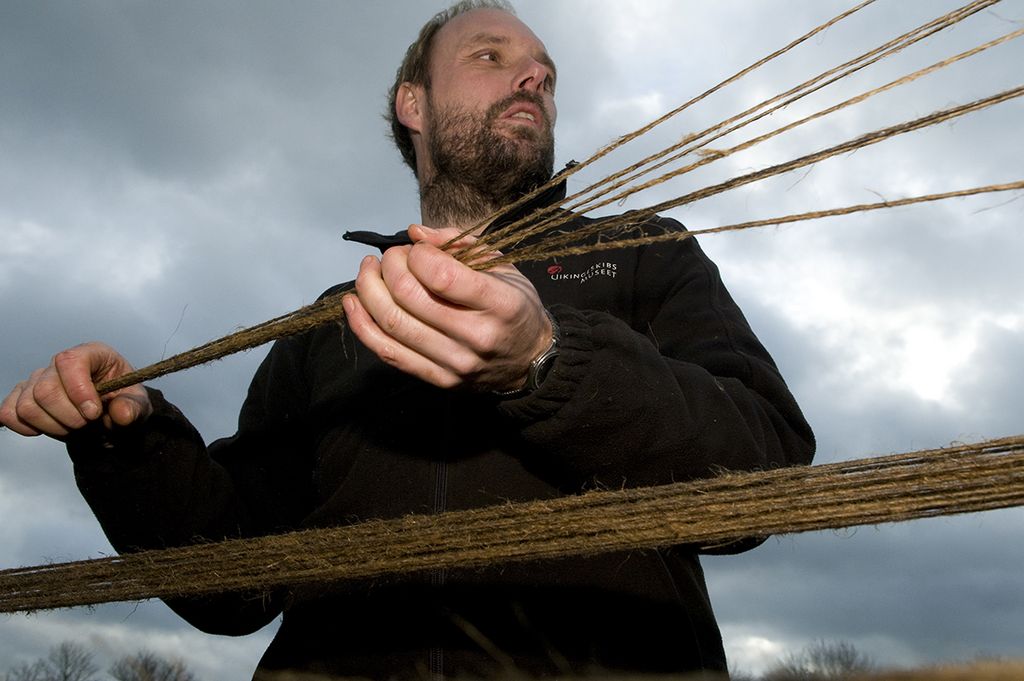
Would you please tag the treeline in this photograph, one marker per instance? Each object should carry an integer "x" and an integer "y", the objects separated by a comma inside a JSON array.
[
  {"x": 73, "y": 662},
  {"x": 820, "y": 661}
]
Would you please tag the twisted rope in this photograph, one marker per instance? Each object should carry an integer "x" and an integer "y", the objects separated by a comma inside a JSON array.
[
  {"x": 705, "y": 513},
  {"x": 628, "y": 230},
  {"x": 506, "y": 237}
]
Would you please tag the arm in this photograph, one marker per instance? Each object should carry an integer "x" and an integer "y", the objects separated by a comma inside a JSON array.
[
  {"x": 680, "y": 391},
  {"x": 683, "y": 391},
  {"x": 148, "y": 476}
]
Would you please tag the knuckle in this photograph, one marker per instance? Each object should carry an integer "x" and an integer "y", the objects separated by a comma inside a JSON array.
[
  {"x": 7, "y": 413},
  {"x": 485, "y": 338},
  {"x": 388, "y": 354},
  {"x": 466, "y": 365},
  {"x": 405, "y": 286},
  {"x": 392, "y": 321},
  {"x": 27, "y": 410},
  {"x": 445, "y": 278},
  {"x": 47, "y": 392},
  {"x": 67, "y": 357}
]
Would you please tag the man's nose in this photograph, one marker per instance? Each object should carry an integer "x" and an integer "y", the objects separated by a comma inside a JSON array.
[{"x": 532, "y": 76}]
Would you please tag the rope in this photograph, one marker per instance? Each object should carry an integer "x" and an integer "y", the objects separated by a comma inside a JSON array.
[
  {"x": 705, "y": 513},
  {"x": 615, "y": 225},
  {"x": 329, "y": 309},
  {"x": 625, "y": 139},
  {"x": 496, "y": 240},
  {"x": 627, "y": 230}
]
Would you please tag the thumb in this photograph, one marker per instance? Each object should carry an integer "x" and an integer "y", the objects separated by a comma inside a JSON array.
[{"x": 130, "y": 406}]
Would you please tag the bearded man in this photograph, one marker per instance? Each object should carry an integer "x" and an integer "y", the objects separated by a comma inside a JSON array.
[{"x": 456, "y": 389}]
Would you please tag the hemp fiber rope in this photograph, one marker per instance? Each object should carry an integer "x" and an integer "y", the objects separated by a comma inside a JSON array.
[
  {"x": 706, "y": 513},
  {"x": 736, "y": 122},
  {"x": 627, "y": 230}
]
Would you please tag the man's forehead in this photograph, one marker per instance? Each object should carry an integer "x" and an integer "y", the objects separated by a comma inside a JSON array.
[{"x": 488, "y": 26}]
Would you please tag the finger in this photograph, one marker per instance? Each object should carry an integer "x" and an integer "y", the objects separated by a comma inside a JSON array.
[
  {"x": 78, "y": 368},
  {"x": 391, "y": 351},
  {"x": 36, "y": 414},
  {"x": 406, "y": 311},
  {"x": 446, "y": 238},
  {"x": 454, "y": 282},
  {"x": 9, "y": 414},
  {"x": 49, "y": 394},
  {"x": 463, "y": 247},
  {"x": 129, "y": 406}
]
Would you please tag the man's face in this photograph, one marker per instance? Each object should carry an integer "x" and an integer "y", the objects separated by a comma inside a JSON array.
[{"x": 490, "y": 108}]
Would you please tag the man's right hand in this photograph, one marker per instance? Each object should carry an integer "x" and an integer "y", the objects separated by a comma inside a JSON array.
[{"x": 62, "y": 397}]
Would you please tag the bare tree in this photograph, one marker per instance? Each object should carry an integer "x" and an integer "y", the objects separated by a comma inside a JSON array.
[
  {"x": 146, "y": 666},
  {"x": 821, "y": 661},
  {"x": 65, "y": 662},
  {"x": 71, "y": 662},
  {"x": 28, "y": 672}
]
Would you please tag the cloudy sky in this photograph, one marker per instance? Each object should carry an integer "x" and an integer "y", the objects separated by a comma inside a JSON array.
[{"x": 170, "y": 172}]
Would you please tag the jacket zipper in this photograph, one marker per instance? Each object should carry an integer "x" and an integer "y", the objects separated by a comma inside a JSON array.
[{"x": 438, "y": 575}]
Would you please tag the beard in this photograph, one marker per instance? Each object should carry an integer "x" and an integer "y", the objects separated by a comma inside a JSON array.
[{"x": 477, "y": 170}]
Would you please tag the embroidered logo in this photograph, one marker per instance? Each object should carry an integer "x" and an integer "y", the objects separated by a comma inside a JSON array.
[{"x": 601, "y": 269}]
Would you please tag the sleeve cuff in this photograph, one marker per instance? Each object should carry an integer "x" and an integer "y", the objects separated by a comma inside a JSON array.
[
  {"x": 98, "y": 448},
  {"x": 566, "y": 374}
]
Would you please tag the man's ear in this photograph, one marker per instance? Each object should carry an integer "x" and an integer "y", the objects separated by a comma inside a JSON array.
[{"x": 409, "y": 104}]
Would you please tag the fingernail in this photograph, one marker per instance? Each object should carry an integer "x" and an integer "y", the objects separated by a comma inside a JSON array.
[
  {"x": 91, "y": 410},
  {"x": 348, "y": 304}
]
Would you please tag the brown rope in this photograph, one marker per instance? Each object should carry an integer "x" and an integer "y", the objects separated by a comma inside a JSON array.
[
  {"x": 625, "y": 139},
  {"x": 324, "y": 311},
  {"x": 647, "y": 239},
  {"x": 545, "y": 219},
  {"x": 707, "y": 513},
  {"x": 624, "y": 229},
  {"x": 614, "y": 226},
  {"x": 596, "y": 202},
  {"x": 329, "y": 309}
]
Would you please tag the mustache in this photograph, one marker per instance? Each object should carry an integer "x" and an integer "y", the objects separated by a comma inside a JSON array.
[{"x": 522, "y": 96}]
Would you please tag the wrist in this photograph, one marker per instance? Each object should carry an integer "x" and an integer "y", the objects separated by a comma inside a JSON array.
[{"x": 539, "y": 367}]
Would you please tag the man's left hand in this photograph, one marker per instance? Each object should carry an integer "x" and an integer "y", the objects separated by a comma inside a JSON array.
[{"x": 425, "y": 313}]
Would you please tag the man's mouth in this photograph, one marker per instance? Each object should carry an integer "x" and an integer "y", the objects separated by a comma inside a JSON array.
[{"x": 525, "y": 112}]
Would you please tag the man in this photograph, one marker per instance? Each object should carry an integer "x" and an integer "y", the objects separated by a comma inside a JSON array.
[{"x": 456, "y": 389}]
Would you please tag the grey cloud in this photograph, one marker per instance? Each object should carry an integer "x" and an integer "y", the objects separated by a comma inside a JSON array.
[{"x": 233, "y": 142}]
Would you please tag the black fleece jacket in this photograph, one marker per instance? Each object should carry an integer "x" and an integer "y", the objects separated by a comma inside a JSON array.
[{"x": 660, "y": 379}]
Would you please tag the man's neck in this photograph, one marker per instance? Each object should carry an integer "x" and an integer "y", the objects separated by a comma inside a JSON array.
[{"x": 444, "y": 203}]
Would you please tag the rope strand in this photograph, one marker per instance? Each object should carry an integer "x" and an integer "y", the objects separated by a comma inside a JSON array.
[
  {"x": 509, "y": 235},
  {"x": 706, "y": 513}
]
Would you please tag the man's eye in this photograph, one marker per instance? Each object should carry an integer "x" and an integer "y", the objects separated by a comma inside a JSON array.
[{"x": 489, "y": 56}]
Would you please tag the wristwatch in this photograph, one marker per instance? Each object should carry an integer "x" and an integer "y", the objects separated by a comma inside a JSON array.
[{"x": 539, "y": 367}]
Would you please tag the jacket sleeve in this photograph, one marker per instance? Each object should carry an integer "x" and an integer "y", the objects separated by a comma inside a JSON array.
[
  {"x": 681, "y": 391},
  {"x": 158, "y": 485}
]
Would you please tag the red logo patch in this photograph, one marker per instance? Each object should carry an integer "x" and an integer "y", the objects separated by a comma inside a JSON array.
[{"x": 554, "y": 269}]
